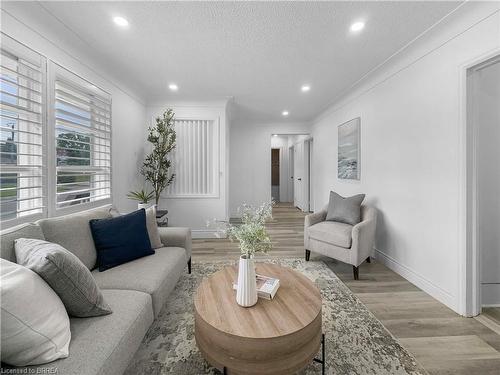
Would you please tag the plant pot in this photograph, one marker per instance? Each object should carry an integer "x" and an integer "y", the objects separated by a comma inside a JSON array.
[
  {"x": 144, "y": 205},
  {"x": 246, "y": 291}
]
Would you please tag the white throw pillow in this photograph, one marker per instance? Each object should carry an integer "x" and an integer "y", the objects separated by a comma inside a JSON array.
[{"x": 34, "y": 325}]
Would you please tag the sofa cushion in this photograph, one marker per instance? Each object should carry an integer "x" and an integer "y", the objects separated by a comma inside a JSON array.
[
  {"x": 104, "y": 345},
  {"x": 65, "y": 274},
  {"x": 332, "y": 232},
  {"x": 9, "y": 236},
  {"x": 156, "y": 274},
  {"x": 73, "y": 232},
  {"x": 344, "y": 210},
  {"x": 120, "y": 239}
]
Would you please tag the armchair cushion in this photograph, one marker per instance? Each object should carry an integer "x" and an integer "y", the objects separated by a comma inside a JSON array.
[
  {"x": 332, "y": 232},
  {"x": 345, "y": 210}
]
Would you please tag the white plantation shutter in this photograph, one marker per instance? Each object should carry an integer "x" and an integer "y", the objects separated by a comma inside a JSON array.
[
  {"x": 195, "y": 159},
  {"x": 22, "y": 111},
  {"x": 81, "y": 119}
]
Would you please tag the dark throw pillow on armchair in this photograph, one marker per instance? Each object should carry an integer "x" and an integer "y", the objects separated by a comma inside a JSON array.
[
  {"x": 120, "y": 239},
  {"x": 344, "y": 210}
]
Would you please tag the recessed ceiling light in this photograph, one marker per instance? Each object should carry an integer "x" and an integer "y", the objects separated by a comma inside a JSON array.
[
  {"x": 305, "y": 88},
  {"x": 285, "y": 113},
  {"x": 357, "y": 26},
  {"x": 173, "y": 87},
  {"x": 275, "y": 135},
  {"x": 120, "y": 21}
]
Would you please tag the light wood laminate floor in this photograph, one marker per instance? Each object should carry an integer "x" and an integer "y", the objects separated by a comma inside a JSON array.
[{"x": 441, "y": 340}]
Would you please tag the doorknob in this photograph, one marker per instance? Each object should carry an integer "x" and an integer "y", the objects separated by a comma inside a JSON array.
[{"x": 299, "y": 179}]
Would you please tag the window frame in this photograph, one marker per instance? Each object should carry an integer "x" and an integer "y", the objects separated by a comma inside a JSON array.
[
  {"x": 56, "y": 70},
  {"x": 216, "y": 162}
]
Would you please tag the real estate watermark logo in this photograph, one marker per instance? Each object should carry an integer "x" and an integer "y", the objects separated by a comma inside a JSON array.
[{"x": 27, "y": 370}]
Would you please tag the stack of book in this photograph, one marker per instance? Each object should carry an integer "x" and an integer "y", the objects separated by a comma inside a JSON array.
[{"x": 266, "y": 286}]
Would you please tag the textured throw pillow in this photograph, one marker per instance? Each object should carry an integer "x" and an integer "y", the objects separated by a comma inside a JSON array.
[
  {"x": 121, "y": 239},
  {"x": 152, "y": 225},
  {"x": 344, "y": 210},
  {"x": 65, "y": 274},
  {"x": 34, "y": 325}
]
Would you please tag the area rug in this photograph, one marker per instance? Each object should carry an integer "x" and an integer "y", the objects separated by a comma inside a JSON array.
[{"x": 356, "y": 342}]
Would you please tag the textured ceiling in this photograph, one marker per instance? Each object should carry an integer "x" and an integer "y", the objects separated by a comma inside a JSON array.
[{"x": 259, "y": 53}]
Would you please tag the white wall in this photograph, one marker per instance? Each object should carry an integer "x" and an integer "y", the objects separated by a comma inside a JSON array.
[
  {"x": 195, "y": 212},
  {"x": 486, "y": 113},
  {"x": 411, "y": 149},
  {"x": 128, "y": 111},
  {"x": 250, "y": 161}
]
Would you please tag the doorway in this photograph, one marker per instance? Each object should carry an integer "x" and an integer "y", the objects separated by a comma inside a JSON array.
[
  {"x": 275, "y": 174},
  {"x": 483, "y": 175},
  {"x": 289, "y": 169}
]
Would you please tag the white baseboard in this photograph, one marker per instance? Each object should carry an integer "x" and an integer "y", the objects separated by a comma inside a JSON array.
[{"x": 418, "y": 280}]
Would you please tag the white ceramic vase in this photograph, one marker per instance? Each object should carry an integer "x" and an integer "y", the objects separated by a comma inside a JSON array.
[
  {"x": 144, "y": 205},
  {"x": 246, "y": 292}
]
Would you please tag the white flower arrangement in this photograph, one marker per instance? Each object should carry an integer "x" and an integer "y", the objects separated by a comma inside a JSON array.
[{"x": 251, "y": 233}]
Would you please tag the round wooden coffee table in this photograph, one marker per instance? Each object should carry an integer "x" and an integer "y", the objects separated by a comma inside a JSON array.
[{"x": 280, "y": 336}]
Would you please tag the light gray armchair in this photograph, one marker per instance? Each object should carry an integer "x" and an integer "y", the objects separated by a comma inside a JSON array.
[{"x": 347, "y": 243}]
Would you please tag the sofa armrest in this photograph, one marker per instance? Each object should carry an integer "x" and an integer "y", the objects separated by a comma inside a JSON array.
[
  {"x": 314, "y": 218},
  {"x": 363, "y": 237},
  {"x": 177, "y": 237}
]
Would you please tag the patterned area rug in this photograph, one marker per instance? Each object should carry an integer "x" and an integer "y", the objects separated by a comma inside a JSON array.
[{"x": 356, "y": 342}]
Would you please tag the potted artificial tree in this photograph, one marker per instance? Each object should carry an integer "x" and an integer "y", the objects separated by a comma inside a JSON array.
[{"x": 156, "y": 165}]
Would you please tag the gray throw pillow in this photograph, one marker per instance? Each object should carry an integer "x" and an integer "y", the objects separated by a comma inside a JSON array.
[
  {"x": 344, "y": 210},
  {"x": 65, "y": 274}
]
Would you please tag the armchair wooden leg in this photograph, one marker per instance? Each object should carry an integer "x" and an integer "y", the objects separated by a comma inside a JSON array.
[
  {"x": 308, "y": 255},
  {"x": 356, "y": 272},
  {"x": 189, "y": 265},
  {"x": 368, "y": 260}
]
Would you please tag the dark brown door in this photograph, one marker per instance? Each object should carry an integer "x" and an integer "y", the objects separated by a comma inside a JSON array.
[{"x": 275, "y": 167}]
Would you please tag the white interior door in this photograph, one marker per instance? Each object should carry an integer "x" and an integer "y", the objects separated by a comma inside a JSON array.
[
  {"x": 291, "y": 190},
  {"x": 311, "y": 190},
  {"x": 305, "y": 178},
  {"x": 301, "y": 175},
  {"x": 298, "y": 174}
]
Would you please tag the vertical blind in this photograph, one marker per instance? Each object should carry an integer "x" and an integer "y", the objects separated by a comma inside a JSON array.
[
  {"x": 82, "y": 124},
  {"x": 194, "y": 159},
  {"x": 22, "y": 85}
]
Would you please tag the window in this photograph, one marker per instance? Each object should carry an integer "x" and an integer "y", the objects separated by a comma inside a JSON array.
[
  {"x": 195, "y": 159},
  {"x": 22, "y": 176},
  {"x": 55, "y": 138},
  {"x": 80, "y": 120}
]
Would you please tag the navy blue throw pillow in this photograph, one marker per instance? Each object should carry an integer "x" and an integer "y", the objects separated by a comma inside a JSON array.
[{"x": 120, "y": 239}]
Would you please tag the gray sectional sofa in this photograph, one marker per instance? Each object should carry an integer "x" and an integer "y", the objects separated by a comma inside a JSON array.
[{"x": 135, "y": 291}]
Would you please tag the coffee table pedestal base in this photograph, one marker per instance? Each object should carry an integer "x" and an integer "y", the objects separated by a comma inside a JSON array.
[{"x": 234, "y": 355}]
